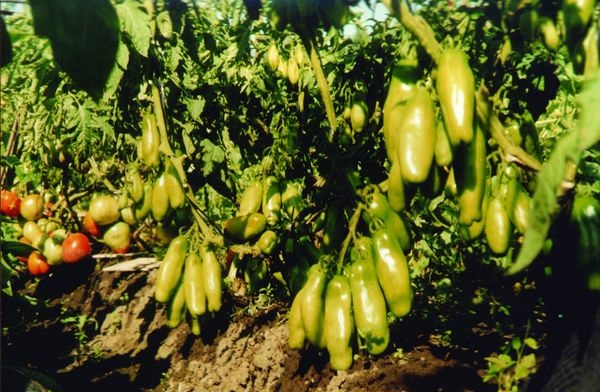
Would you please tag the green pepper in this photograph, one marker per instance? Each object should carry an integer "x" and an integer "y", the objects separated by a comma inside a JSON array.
[
  {"x": 470, "y": 173},
  {"x": 456, "y": 91},
  {"x": 497, "y": 226},
  {"x": 212, "y": 275},
  {"x": 251, "y": 199},
  {"x": 339, "y": 322},
  {"x": 245, "y": 227},
  {"x": 176, "y": 306},
  {"x": 416, "y": 137},
  {"x": 402, "y": 85},
  {"x": 271, "y": 200},
  {"x": 150, "y": 143},
  {"x": 392, "y": 272},
  {"x": 160, "y": 198},
  {"x": 312, "y": 305},
  {"x": 370, "y": 313},
  {"x": 193, "y": 283},
  {"x": 170, "y": 269}
]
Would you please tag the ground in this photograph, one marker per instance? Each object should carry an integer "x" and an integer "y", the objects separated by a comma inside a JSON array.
[{"x": 99, "y": 331}]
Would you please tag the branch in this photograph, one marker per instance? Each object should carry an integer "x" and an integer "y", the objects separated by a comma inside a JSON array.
[{"x": 421, "y": 30}]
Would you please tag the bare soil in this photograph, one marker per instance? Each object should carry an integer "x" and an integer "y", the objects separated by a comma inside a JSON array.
[{"x": 122, "y": 343}]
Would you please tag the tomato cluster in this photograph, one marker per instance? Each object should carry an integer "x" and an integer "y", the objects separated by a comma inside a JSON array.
[{"x": 51, "y": 244}]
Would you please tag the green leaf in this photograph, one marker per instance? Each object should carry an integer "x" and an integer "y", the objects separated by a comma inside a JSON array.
[
  {"x": 84, "y": 35},
  {"x": 114, "y": 79},
  {"x": 589, "y": 121},
  {"x": 569, "y": 149},
  {"x": 17, "y": 248},
  {"x": 136, "y": 24},
  {"x": 195, "y": 107},
  {"x": 516, "y": 343},
  {"x": 531, "y": 343},
  {"x": 211, "y": 154}
]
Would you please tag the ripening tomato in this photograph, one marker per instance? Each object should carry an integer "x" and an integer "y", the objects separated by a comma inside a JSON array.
[
  {"x": 10, "y": 203},
  {"x": 32, "y": 207},
  {"x": 37, "y": 265},
  {"x": 90, "y": 225},
  {"x": 76, "y": 247}
]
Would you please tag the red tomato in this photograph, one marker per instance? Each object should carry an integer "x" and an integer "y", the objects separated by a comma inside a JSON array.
[
  {"x": 90, "y": 225},
  {"x": 37, "y": 265},
  {"x": 10, "y": 204},
  {"x": 32, "y": 207},
  {"x": 76, "y": 247}
]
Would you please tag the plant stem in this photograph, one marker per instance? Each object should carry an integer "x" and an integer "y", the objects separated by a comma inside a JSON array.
[{"x": 351, "y": 233}]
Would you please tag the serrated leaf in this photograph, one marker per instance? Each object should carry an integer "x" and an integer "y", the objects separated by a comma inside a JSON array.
[
  {"x": 136, "y": 24},
  {"x": 165, "y": 26}
]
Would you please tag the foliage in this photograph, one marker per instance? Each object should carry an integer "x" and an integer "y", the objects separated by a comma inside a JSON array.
[{"x": 72, "y": 121}]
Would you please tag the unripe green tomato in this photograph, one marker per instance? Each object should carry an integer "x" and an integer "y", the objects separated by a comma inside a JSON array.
[
  {"x": 370, "y": 313},
  {"x": 358, "y": 116},
  {"x": 293, "y": 71},
  {"x": 251, "y": 199},
  {"x": 118, "y": 237},
  {"x": 395, "y": 193},
  {"x": 291, "y": 198},
  {"x": 271, "y": 200},
  {"x": 150, "y": 143},
  {"x": 297, "y": 336},
  {"x": 170, "y": 270},
  {"x": 52, "y": 251},
  {"x": 339, "y": 322},
  {"x": 392, "y": 272},
  {"x": 32, "y": 231},
  {"x": 175, "y": 188},
  {"x": 312, "y": 305},
  {"x": 128, "y": 215},
  {"x": 470, "y": 172},
  {"x": 160, "y": 198},
  {"x": 402, "y": 85},
  {"x": 282, "y": 68},
  {"x": 212, "y": 273},
  {"x": 521, "y": 211},
  {"x": 497, "y": 227},
  {"x": 273, "y": 57},
  {"x": 104, "y": 210},
  {"x": 416, "y": 137},
  {"x": 32, "y": 207},
  {"x": 456, "y": 91},
  {"x": 135, "y": 184},
  {"x": 243, "y": 228},
  {"x": 176, "y": 306},
  {"x": 143, "y": 209},
  {"x": 193, "y": 284},
  {"x": 443, "y": 149},
  {"x": 549, "y": 33},
  {"x": 267, "y": 242}
]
